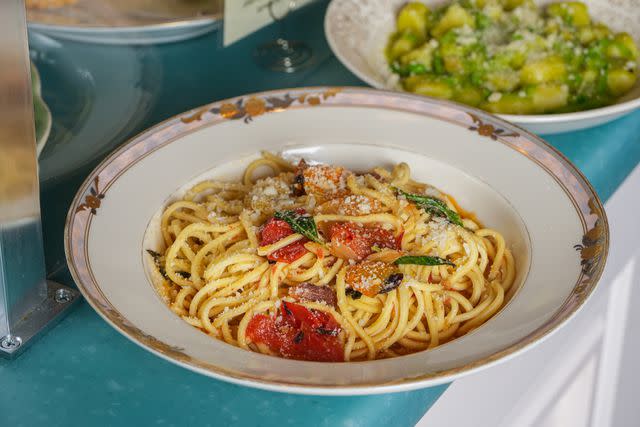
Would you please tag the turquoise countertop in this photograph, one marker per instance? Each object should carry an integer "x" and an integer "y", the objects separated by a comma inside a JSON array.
[{"x": 83, "y": 372}]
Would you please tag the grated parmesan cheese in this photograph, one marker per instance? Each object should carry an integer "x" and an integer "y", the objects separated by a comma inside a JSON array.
[
  {"x": 495, "y": 97},
  {"x": 439, "y": 231},
  {"x": 269, "y": 195}
]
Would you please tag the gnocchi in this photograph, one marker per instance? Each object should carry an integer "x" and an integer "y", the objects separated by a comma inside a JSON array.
[{"x": 512, "y": 57}]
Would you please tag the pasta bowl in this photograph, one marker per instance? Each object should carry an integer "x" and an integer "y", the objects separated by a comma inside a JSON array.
[
  {"x": 358, "y": 31},
  {"x": 559, "y": 238}
]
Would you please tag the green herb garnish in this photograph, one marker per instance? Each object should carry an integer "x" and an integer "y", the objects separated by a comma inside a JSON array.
[
  {"x": 411, "y": 69},
  {"x": 438, "y": 63},
  {"x": 391, "y": 283},
  {"x": 482, "y": 21},
  {"x": 158, "y": 261},
  {"x": 423, "y": 260},
  {"x": 434, "y": 206},
  {"x": 301, "y": 223},
  {"x": 352, "y": 293}
]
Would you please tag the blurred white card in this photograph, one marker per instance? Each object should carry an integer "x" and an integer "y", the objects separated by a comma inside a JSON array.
[{"x": 243, "y": 17}]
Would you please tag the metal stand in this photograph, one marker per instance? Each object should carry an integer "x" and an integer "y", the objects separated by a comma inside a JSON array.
[
  {"x": 28, "y": 303},
  {"x": 44, "y": 316}
]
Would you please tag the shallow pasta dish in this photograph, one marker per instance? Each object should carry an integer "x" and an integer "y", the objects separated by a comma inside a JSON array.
[{"x": 316, "y": 262}]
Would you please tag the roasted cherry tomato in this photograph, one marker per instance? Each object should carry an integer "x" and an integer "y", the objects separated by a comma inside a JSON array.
[
  {"x": 298, "y": 333},
  {"x": 275, "y": 230},
  {"x": 351, "y": 241},
  {"x": 373, "y": 277},
  {"x": 382, "y": 238}
]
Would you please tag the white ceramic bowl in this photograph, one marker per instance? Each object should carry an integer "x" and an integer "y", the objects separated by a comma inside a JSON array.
[
  {"x": 514, "y": 181},
  {"x": 358, "y": 31}
]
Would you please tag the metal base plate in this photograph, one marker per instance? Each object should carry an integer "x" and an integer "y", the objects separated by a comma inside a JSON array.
[{"x": 58, "y": 302}]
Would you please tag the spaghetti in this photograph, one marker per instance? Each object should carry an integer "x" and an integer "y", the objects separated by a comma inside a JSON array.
[{"x": 318, "y": 263}]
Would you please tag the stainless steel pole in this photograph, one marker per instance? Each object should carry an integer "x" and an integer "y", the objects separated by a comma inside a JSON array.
[{"x": 28, "y": 303}]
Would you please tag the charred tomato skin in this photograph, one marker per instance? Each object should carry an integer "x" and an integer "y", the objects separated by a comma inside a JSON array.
[{"x": 298, "y": 333}]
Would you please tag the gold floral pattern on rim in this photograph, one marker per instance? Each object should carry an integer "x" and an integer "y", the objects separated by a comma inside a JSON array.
[
  {"x": 93, "y": 200},
  {"x": 488, "y": 130},
  {"x": 592, "y": 248},
  {"x": 254, "y": 106}
]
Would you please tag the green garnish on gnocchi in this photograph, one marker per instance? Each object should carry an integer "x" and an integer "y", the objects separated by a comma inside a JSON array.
[{"x": 511, "y": 56}]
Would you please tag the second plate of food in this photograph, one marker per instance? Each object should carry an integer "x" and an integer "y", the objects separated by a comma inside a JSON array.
[
  {"x": 545, "y": 65},
  {"x": 391, "y": 237},
  {"x": 124, "y": 22}
]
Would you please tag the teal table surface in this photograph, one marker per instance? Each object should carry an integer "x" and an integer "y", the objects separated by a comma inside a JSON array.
[{"x": 83, "y": 372}]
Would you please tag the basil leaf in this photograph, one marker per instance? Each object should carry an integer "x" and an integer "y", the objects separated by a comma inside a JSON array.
[
  {"x": 434, "y": 206},
  {"x": 392, "y": 282},
  {"x": 423, "y": 260},
  {"x": 300, "y": 223},
  {"x": 158, "y": 261}
]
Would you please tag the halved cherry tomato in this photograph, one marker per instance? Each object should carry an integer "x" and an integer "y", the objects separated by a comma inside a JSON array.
[
  {"x": 382, "y": 238},
  {"x": 298, "y": 333},
  {"x": 348, "y": 241},
  {"x": 275, "y": 230},
  {"x": 351, "y": 241}
]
